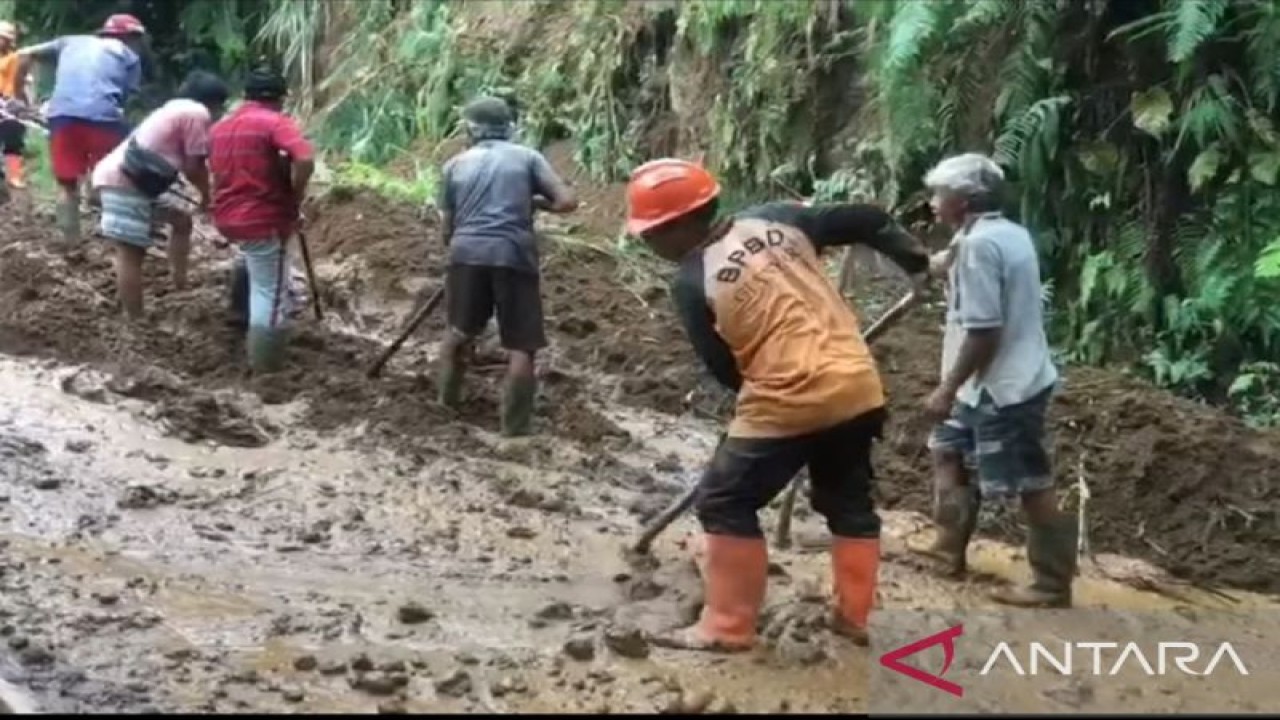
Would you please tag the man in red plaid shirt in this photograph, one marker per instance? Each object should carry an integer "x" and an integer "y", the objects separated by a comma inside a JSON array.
[{"x": 261, "y": 163}]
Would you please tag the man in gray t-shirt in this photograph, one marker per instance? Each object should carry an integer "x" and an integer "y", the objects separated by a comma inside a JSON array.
[
  {"x": 997, "y": 381},
  {"x": 488, "y": 195}
]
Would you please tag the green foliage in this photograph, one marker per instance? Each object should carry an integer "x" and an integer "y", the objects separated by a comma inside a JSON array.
[
  {"x": 1102, "y": 196},
  {"x": 1256, "y": 391},
  {"x": 420, "y": 189}
]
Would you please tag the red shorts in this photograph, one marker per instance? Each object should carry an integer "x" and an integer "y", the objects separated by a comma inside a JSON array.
[{"x": 75, "y": 146}]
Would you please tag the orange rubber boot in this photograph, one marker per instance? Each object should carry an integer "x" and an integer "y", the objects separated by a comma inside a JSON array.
[
  {"x": 855, "y": 564},
  {"x": 735, "y": 575},
  {"x": 13, "y": 168}
]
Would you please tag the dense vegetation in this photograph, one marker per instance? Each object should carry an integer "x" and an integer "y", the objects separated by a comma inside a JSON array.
[{"x": 1140, "y": 134}]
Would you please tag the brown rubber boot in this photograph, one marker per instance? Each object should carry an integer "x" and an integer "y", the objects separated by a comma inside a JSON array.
[
  {"x": 735, "y": 574},
  {"x": 1051, "y": 551},
  {"x": 956, "y": 517},
  {"x": 855, "y": 567}
]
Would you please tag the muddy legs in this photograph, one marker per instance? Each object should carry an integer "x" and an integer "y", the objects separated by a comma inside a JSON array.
[
  {"x": 179, "y": 248},
  {"x": 68, "y": 213},
  {"x": 955, "y": 513},
  {"x": 129, "y": 278},
  {"x": 518, "y": 392},
  {"x": 519, "y": 387},
  {"x": 1051, "y": 552}
]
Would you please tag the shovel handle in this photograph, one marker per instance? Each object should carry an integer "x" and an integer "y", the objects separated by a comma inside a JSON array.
[
  {"x": 783, "y": 535},
  {"x": 311, "y": 275},
  {"x": 418, "y": 318}
]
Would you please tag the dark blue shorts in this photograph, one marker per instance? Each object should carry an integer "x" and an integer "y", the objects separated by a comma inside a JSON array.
[{"x": 1006, "y": 445}]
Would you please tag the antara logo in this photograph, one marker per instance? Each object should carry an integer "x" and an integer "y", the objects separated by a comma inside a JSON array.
[
  {"x": 1063, "y": 659},
  {"x": 947, "y": 639}
]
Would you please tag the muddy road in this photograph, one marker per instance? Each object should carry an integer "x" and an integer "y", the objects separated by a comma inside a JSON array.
[{"x": 181, "y": 537}]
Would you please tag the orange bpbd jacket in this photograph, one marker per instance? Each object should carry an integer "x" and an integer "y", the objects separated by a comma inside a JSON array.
[
  {"x": 9, "y": 75},
  {"x": 761, "y": 312}
]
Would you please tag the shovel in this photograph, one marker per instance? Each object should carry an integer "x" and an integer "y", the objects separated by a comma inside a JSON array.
[
  {"x": 422, "y": 314},
  {"x": 685, "y": 501},
  {"x": 311, "y": 275}
]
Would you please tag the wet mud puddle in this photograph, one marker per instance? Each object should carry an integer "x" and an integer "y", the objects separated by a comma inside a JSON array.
[{"x": 141, "y": 572}]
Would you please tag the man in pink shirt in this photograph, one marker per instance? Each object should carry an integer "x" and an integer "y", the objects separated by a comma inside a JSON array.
[{"x": 136, "y": 181}]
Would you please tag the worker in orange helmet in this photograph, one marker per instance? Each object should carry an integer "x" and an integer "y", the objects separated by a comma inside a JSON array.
[
  {"x": 768, "y": 323},
  {"x": 12, "y": 131}
]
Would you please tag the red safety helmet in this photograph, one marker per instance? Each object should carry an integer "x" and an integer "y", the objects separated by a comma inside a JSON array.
[
  {"x": 122, "y": 24},
  {"x": 662, "y": 190}
]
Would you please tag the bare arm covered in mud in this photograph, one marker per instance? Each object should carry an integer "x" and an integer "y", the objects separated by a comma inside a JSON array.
[
  {"x": 197, "y": 173},
  {"x": 551, "y": 193}
]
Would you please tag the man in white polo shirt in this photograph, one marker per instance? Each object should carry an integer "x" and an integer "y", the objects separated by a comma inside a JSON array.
[{"x": 997, "y": 382}]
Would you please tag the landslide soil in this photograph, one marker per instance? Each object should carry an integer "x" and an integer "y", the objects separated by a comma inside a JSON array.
[
  {"x": 360, "y": 503},
  {"x": 1184, "y": 486}
]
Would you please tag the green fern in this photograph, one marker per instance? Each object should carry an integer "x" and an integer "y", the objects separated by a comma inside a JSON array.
[
  {"x": 984, "y": 13},
  {"x": 912, "y": 26},
  {"x": 1191, "y": 23},
  {"x": 1035, "y": 130},
  {"x": 1262, "y": 47},
  {"x": 1210, "y": 114}
]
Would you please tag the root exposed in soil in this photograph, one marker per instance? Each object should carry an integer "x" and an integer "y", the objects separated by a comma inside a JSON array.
[{"x": 1183, "y": 486}]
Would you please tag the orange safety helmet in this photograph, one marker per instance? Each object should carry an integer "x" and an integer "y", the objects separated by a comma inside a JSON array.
[{"x": 662, "y": 190}]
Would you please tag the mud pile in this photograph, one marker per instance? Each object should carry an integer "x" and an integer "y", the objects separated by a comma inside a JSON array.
[
  {"x": 595, "y": 317},
  {"x": 1184, "y": 486}
]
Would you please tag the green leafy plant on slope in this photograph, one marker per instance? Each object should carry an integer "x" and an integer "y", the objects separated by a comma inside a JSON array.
[{"x": 1152, "y": 191}]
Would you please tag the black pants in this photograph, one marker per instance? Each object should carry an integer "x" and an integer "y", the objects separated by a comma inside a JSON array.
[
  {"x": 474, "y": 292},
  {"x": 746, "y": 474},
  {"x": 13, "y": 136}
]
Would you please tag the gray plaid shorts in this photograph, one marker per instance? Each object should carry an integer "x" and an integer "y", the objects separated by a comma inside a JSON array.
[{"x": 1006, "y": 445}]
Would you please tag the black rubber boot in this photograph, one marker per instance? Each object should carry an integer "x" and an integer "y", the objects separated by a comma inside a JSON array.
[
  {"x": 956, "y": 515},
  {"x": 518, "y": 395},
  {"x": 1051, "y": 551}
]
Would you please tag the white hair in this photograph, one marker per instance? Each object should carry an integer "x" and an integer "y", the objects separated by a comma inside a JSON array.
[{"x": 969, "y": 175}]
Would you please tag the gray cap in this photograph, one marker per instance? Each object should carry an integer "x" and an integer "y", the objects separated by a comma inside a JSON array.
[{"x": 488, "y": 111}]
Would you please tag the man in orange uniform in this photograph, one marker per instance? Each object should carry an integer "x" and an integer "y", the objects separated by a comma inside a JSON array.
[
  {"x": 758, "y": 308},
  {"x": 12, "y": 131}
]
